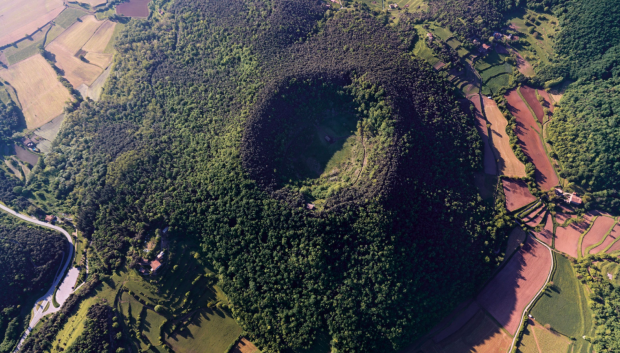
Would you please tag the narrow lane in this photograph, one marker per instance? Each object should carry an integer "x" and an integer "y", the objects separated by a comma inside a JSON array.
[{"x": 39, "y": 307}]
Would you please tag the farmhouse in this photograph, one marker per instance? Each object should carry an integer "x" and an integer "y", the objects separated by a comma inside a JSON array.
[
  {"x": 155, "y": 265},
  {"x": 485, "y": 48},
  {"x": 574, "y": 200},
  {"x": 50, "y": 219},
  {"x": 497, "y": 35}
]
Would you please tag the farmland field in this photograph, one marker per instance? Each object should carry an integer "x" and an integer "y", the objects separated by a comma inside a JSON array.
[
  {"x": 530, "y": 98},
  {"x": 567, "y": 238},
  {"x": 481, "y": 125},
  {"x": 24, "y": 49},
  {"x": 18, "y": 18},
  {"x": 599, "y": 229},
  {"x": 68, "y": 44},
  {"x": 480, "y": 334},
  {"x": 546, "y": 234},
  {"x": 134, "y": 8},
  {"x": 99, "y": 41},
  {"x": 511, "y": 290},
  {"x": 530, "y": 142},
  {"x": 524, "y": 66},
  {"x": 609, "y": 240},
  {"x": 41, "y": 95},
  {"x": 244, "y": 346},
  {"x": 508, "y": 163},
  {"x": 150, "y": 326},
  {"x": 69, "y": 16},
  {"x": 517, "y": 194},
  {"x": 517, "y": 237},
  {"x": 560, "y": 306}
]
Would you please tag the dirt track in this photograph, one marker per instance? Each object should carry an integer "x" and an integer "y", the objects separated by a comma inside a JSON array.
[{"x": 513, "y": 288}]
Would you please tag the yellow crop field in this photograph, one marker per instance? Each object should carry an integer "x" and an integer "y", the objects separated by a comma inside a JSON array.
[
  {"x": 18, "y": 18},
  {"x": 99, "y": 41},
  {"x": 67, "y": 49},
  {"x": 509, "y": 164},
  {"x": 40, "y": 94}
]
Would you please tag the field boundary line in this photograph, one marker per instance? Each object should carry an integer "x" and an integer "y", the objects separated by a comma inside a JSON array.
[
  {"x": 583, "y": 235},
  {"x": 589, "y": 248},
  {"x": 542, "y": 289}
]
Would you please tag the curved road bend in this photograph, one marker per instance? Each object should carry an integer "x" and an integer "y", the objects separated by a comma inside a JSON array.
[{"x": 41, "y": 304}]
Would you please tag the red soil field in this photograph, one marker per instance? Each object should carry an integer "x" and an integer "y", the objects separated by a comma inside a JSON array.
[
  {"x": 529, "y": 140},
  {"x": 615, "y": 234},
  {"x": 481, "y": 125},
  {"x": 509, "y": 292},
  {"x": 530, "y": 97},
  {"x": 533, "y": 212},
  {"x": 546, "y": 234},
  {"x": 609, "y": 240},
  {"x": 517, "y": 194},
  {"x": 567, "y": 239},
  {"x": 563, "y": 214},
  {"x": 536, "y": 221},
  {"x": 547, "y": 103},
  {"x": 601, "y": 226},
  {"x": 134, "y": 8}
]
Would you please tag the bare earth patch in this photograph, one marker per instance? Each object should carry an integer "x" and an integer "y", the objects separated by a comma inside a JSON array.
[
  {"x": 530, "y": 142},
  {"x": 567, "y": 238},
  {"x": 40, "y": 94},
  {"x": 244, "y": 346},
  {"x": 546, "y": 234},
  {"x": 530, "y": 98},
  {"x": 611, "y": 238},
  {"x": 601, "y": 226},
  {"x": 517, "y": 194}
]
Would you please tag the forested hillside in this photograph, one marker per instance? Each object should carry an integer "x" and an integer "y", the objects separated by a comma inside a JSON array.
[
  {"x": 176, "y": 138},
  {"x": 30, "y": 257}
]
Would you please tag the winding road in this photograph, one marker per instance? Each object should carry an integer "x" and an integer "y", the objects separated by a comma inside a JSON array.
[{"x": 44, "y": 305}]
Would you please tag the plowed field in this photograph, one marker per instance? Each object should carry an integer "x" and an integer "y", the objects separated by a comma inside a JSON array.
[
  {"x": 481, "y": 125},
  {"x": 508, "y": 163},
  {"x": 601, "y": 226},
  {"x": 530, "y": 142},
  {"x": 533, "y": 222},
  {"x": 611, "y": 238},
  {"x": 509, "y": 292},
  {"x": 567, "y": 238},
  {"x": 41, "y": 95},
  {"x": 530, "y": 97},
  {"x": 546, "y": 234},
  {"x": 517, "y": 194}
]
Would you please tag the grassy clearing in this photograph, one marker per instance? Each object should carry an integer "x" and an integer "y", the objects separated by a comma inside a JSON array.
[
  {"x": 551, "y": 342},
  {"x": 213, "y": 331},
  {"x": 493, "y": 85},
  {"x": 109, "y": 49},
  {"x": 75, "y": 325},
  {"x": 150, "y": 326},
  {"x": 540, "y": 47},
  {"x": 69, "y": 16},
  {"x": 564, "y": 306},
  {"x": 422, "y": 50},
  {"x": 528, "y": 342}
]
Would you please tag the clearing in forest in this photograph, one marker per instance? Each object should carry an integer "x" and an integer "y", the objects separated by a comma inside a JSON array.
[
  {"x": 512, "y": 289},
  {"x": 480, "y": 334},
  {"x": 517, "y": 194},
  {"x": 567, "y": 238},
  {"x": 529, "y": 94},
  {"x": 481, "y": 125},
  {"x": 73, "y": 60},
  {"x": 24, "y": 17},
  {"x": 508, "y": 163},
  {"x": 40, "y": 94},
  {"x": 564, "y": 306},
  {"x": 212, "y": 330},
  {"x": 524, "y": 66},
  {"x": 527, "y": 132},
  {"x": 602, "y": 225}
]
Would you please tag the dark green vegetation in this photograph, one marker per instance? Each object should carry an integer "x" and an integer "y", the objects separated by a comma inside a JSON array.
[
  {"x": 564, "y": 304},
  {"x": 176, "y": 138},
  {"x": 29, "y": 259},
  {"x": 604, "y": 302},
  {"x": 100, "y": 331}
]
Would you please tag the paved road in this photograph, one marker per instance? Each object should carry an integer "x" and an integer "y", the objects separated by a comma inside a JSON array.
[{"x": 41, "y": 304}]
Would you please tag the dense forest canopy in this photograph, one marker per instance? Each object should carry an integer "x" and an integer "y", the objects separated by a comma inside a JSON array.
[
  {"x": 29, "y": 259},
  {"x": 168, "y": 145}
]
